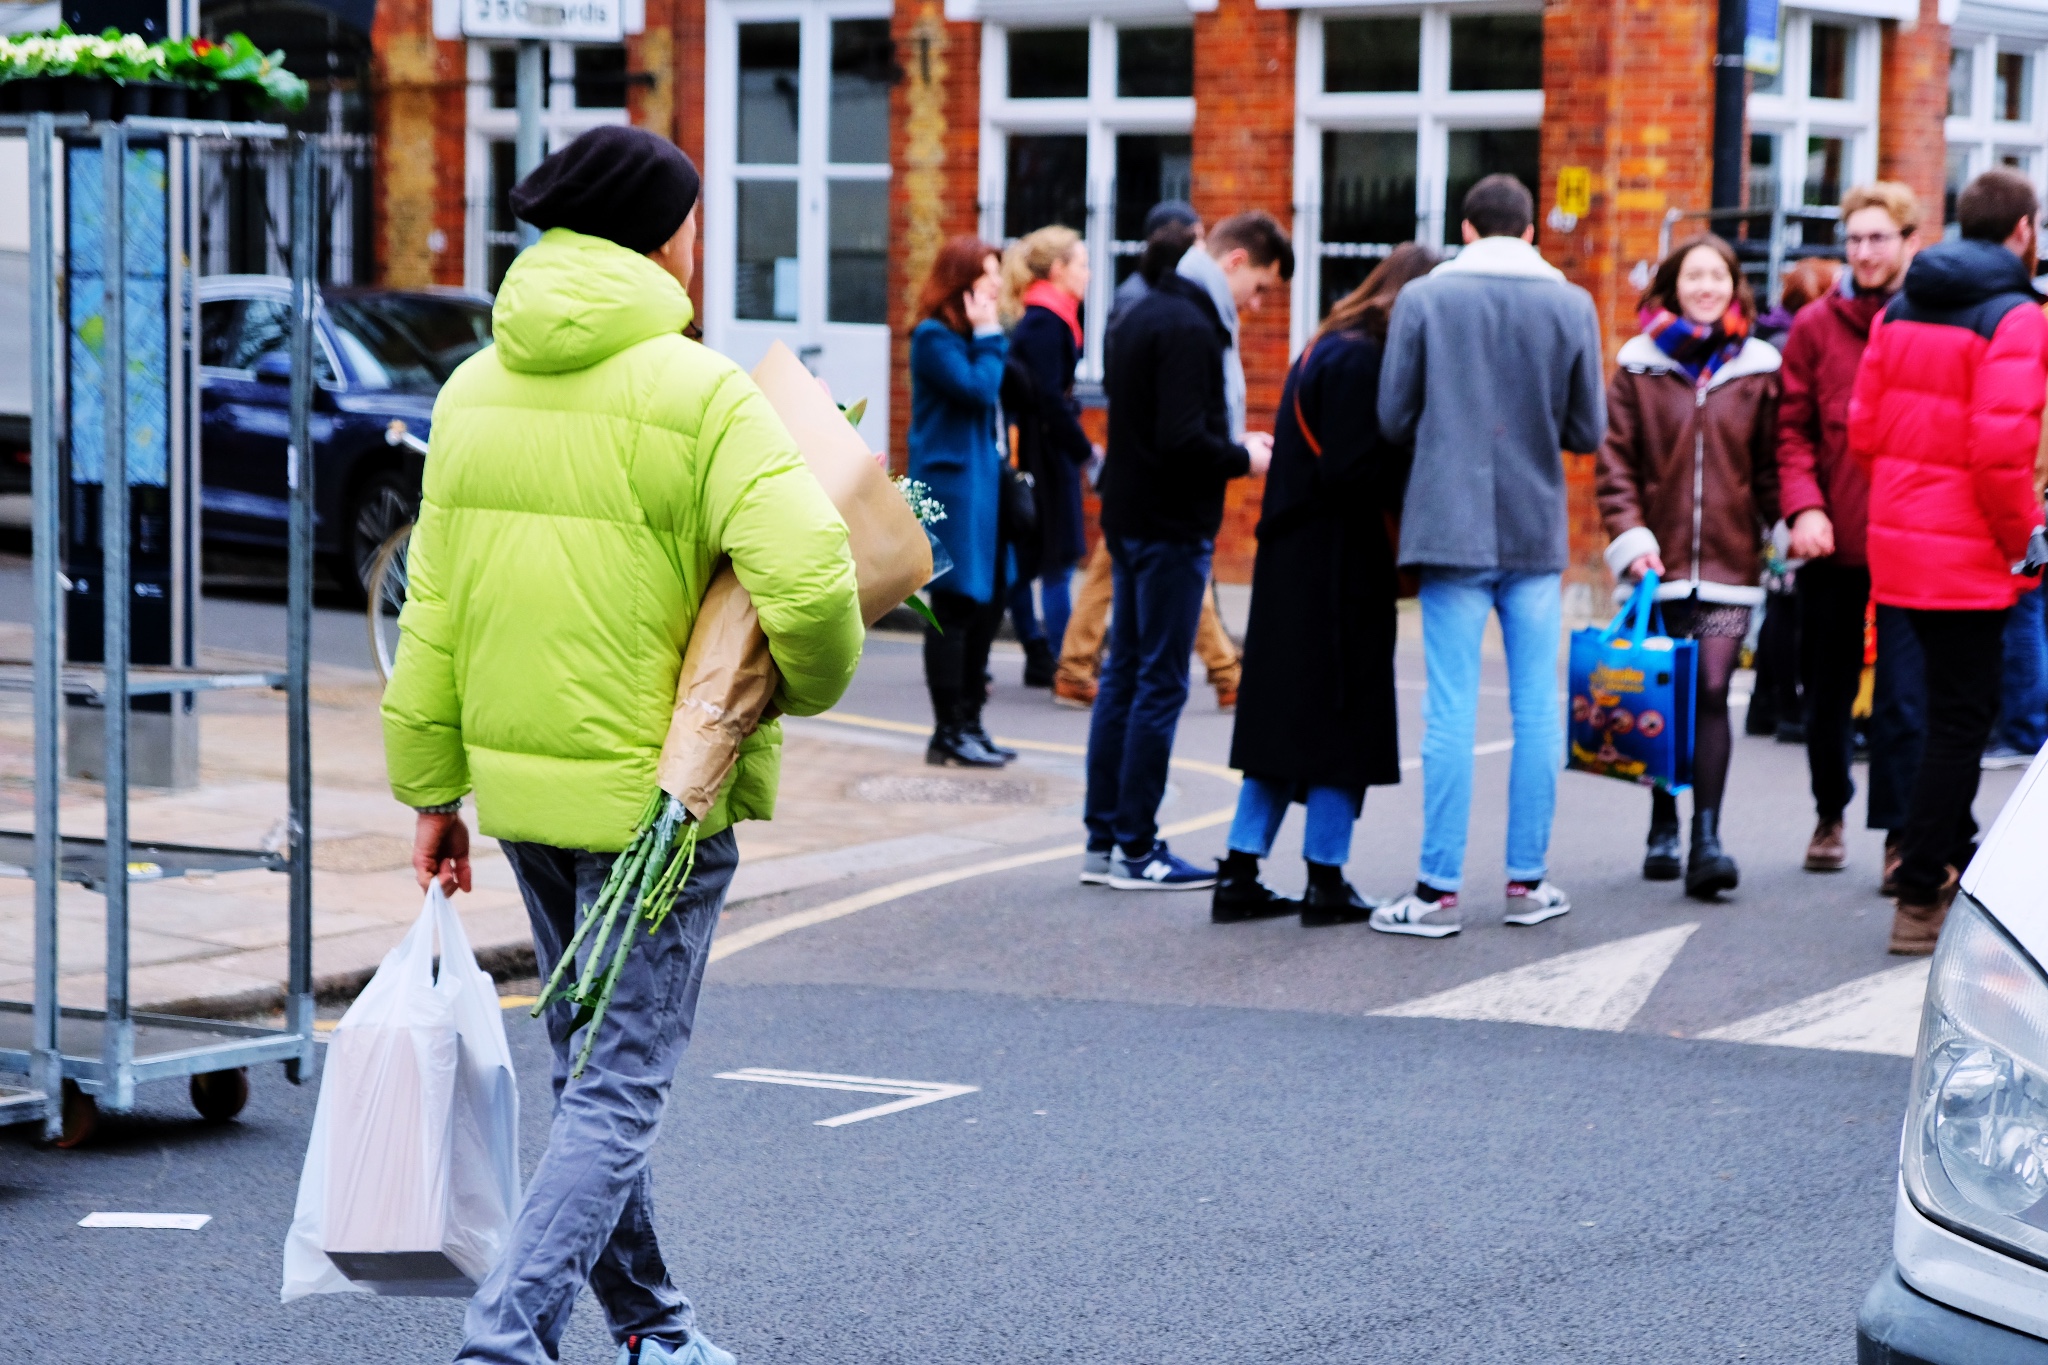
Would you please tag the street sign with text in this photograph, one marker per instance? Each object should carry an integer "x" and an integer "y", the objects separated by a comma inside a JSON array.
[{"x": 568, "y": 21}]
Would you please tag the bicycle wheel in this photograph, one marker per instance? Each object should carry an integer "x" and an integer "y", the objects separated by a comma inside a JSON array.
[{"x": 386, "y": 589}]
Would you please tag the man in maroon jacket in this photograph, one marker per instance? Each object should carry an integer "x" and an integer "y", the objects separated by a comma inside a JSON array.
[
  {"x": 1945, "y": 418},
  {"x": 1826, "y": 498}
]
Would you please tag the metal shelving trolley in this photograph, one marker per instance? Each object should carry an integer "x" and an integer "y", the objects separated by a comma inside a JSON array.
[{"x": 77, "y": 1061}]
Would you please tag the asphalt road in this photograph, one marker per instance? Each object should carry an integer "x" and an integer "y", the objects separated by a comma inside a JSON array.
[{"x": 1236, "y": 1158}]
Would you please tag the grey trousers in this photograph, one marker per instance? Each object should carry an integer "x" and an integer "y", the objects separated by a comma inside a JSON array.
[{"x": 589, "y": 1211}]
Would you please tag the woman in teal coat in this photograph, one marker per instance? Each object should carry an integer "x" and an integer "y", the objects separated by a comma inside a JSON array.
[{"x": 956, "y": 446}]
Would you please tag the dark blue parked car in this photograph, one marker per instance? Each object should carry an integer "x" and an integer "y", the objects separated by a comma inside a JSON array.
[{"x": 378, "y": 354}]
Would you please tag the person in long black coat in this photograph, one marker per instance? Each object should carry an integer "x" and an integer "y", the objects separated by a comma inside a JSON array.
[{"x": 1315, "y": 713}]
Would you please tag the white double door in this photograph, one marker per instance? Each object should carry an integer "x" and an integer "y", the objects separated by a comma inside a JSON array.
[{"x": 796, "y": 210}]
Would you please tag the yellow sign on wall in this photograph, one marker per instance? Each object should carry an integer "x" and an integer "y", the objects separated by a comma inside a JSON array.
[{"x": 1575, "y": 190}]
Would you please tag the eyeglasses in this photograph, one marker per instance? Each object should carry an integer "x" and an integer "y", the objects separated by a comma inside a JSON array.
[{"x": 1856, "y": 241}]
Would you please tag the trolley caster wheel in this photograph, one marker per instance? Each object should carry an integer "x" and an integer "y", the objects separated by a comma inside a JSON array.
[
  {"x": 81, "y": 1117},
  {"x": 220, "y": 1095}
]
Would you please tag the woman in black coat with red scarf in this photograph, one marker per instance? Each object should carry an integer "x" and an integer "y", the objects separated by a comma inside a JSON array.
[{"x": 1315, "y": 713}]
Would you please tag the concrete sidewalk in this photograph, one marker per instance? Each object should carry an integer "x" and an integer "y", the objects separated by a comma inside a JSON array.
[{"x": 855, "y": 801}]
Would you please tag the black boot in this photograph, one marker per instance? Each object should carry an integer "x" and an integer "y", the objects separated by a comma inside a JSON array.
[
  {"x": 1660, "y": 859},
  {"x": 1240, "y": 895},
  {"x": 1708, "y": 870},
  {"x": 953, "y": 745},
  {"x": 1039, "y": 663},
  {"x": 970, "y": 726},
  {"x": 1331, "y": 900}
]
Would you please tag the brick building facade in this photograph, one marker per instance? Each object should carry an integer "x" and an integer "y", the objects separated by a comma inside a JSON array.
[{"x": 1358, "y": 125}]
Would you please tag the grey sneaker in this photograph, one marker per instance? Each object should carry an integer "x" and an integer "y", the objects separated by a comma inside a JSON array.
[
  {"x": 1536, "y": 904},
  {"x": 1095, "y": 867},
  {"x": 1413, "y": 915},
  {"x": 2001, "y": 756}
]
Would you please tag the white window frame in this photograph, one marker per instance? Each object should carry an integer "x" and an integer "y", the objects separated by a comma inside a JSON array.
[
  {"x": 1796, "y": 116},
  {"x": 1984, "y": 139},
  {"x": 1432, "y": 112},
  {"x": 561, "y": 122},
  {"x": 1102, "y": 115}
]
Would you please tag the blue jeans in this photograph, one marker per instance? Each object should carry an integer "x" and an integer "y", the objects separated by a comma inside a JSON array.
[
  {"x": 1045, "y": 619},
  {"x": 1455, "y": 605},
  {"x": 2023, "y": 694},
  {"x": 1156, "y": 601},
  {"x": 1262, "y": 805},
  {"x": 589, "y": 1212},
  {"x": 1898, "y": 720}
]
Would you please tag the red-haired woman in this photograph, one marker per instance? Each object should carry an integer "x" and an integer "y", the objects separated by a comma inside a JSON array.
[
  {"x": 1688, "y": 485},
  {"x": 956, "y": 446}
]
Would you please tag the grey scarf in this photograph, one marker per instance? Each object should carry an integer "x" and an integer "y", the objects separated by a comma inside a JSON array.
[{"x": 1199, "y": 266}]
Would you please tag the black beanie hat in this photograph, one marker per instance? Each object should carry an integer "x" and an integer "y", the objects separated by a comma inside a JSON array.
[{"x": 623, "y": 184}]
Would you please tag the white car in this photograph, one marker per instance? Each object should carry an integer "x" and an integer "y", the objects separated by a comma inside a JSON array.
[{"x": 1969, "y": 1284}]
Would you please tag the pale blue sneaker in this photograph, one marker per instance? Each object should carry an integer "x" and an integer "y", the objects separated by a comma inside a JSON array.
[{"x": 698, "y": 1351}]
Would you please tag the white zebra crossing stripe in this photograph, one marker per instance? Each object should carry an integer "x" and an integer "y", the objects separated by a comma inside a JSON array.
[
  {"x": 1593, "y": 988},
  {"x": 1878, "y": 1013}
]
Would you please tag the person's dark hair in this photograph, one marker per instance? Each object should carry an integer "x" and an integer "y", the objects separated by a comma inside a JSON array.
[
  {"x": 1260, "y": 236},
  {"x": 1163, "y": 250},
  {"x": 1367, "y": 308},
  {"x": 1992, "y": 205},
  {"x": 1499, "y": 206},
  {"x": 1663, "y": 290},
  {"x": 961, "y": 261},
  {"x": 1171, "y": 211}
]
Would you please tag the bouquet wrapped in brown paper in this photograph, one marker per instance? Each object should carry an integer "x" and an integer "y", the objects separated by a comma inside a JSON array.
[{"x": 728, "y": 678}]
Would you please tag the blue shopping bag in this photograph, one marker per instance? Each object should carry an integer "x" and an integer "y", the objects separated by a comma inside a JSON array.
[{"x": 1632, "y": 698}]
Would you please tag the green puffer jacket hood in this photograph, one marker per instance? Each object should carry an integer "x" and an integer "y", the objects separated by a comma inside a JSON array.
[{"x": 587, "y": 476}]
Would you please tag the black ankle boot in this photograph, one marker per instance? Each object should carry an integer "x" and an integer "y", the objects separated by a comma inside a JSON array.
[
  {"x": 954, "y": 745},
  {"x": 971, "y": 726},
  {"x": 1240, "y": 895},
  {"x": 1660, "y": 858},
  {"x": 1708, "y": 870},
  {"x": 1039, "y": 663},
  {"x": 1332, "y": 900}
]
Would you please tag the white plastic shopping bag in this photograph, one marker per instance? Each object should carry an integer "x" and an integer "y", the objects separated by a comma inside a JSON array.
[{"x": 412, "y": 1176}]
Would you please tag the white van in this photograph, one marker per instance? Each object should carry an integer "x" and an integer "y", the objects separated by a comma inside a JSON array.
[{"x": 1969, "y": 1283}]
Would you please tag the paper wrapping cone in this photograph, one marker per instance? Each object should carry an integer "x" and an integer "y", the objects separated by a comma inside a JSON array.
[{"x": 728, "y": 676}]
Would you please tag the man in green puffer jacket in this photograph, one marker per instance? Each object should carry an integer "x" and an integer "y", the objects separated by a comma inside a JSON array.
[{"x": 587, "y": 474}]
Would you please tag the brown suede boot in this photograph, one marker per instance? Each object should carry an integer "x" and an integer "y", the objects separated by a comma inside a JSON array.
[
  {"x": 1827, "y": 852},
  {"x": 1916, "y": 927}
]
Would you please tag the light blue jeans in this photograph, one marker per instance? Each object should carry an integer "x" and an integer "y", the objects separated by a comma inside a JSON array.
[
  {"x": 1455, "y": 605},
  {"x": 1262, "y": 805}
]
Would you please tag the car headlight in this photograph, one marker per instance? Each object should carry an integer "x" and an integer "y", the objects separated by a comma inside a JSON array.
[{"x": 1975, "y": 1151}]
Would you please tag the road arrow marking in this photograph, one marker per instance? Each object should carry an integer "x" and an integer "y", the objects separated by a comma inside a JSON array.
[
  {"x": 914, "y": 1093},
  {"x": 1877, "y": 1013},
  {"x": 1594, "y": 988}
]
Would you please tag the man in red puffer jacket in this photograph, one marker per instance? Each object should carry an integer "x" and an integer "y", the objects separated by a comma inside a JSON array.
[{"x": 1946, "y": 417}]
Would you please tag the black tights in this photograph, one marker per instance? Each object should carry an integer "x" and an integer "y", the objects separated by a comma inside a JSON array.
[
  {"x": 956, "y": 658},
  {"x": 1713, "y": 738}
]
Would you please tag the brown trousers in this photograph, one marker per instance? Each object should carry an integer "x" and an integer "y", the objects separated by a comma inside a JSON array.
[{"x": 1088, "y": 626}]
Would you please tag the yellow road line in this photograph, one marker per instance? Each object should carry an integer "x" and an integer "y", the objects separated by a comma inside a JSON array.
[
  {"x": 739, "y": 940},
  {"x": 1043, "y": 746}
]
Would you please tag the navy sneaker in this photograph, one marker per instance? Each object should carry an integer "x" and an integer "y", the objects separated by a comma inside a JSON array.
[
  {"x": 1158, "y": 870},
  {"x": 1095, "y": 866}
]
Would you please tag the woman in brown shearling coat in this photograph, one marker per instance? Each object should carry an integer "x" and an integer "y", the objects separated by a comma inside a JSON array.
[{"x": 1688, "y": 487}]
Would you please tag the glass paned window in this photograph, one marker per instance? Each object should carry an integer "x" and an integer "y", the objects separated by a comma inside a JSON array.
[
  {"x": 1476, "y": 153},
  {"x": 1155, "y": 63},
  {"x": 505, "y": 76},
  {"x": 863, "y": 59},
  {"x": 600, "y": 77},
  {"x": 1962, "y": 62},
  {"x": 1365, "y": 55},
  {"x": 857, "y": 228},
  {"x": 1045, "y": 182},
  {"x": 217, "y": 323},
  {"x": 1763, "y": 170},
  {"x": 501, "y": 237},
  {"x": 767, "y": 284},
  {"x": 768, "y": 96},
  {"x": 1497, "y": 52},
  {"x": 1832, "y": 74},
  {"x": 1957, "y": 175},
  {"x": 1368, "y": 205},
  {"x": 1149, "y": 167},
  {"x": 1049, "y": 63},
  {"x": 2012, "y": 94},
  {"x": 1826, "y": 159}
]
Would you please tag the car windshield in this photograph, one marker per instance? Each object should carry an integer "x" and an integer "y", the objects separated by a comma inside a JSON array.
[{"x": 407, "y": 343}]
